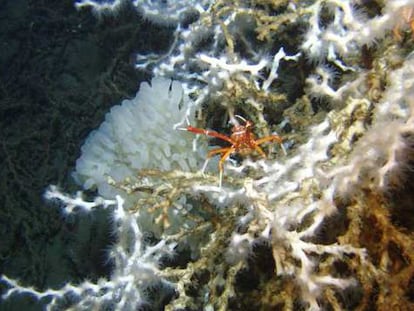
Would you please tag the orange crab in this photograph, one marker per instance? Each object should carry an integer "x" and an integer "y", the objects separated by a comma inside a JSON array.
[{"x": 242, "y": 141}]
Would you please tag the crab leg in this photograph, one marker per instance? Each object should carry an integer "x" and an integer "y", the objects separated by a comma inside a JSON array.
[
  {"x": 271, "y": 138},
  {"x": 226, "y": 152},
  {"x": 222, "y": 159},
  {"x": 260, "y": 150},
  {"x": 197, "y": 130},
  {"x": 212, "y": 153}
]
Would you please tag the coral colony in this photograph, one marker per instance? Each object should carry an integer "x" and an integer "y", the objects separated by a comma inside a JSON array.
[{"x": 311, "y": 229}]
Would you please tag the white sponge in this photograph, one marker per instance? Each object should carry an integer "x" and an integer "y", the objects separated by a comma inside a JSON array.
[{"x": 139, "y": 134}]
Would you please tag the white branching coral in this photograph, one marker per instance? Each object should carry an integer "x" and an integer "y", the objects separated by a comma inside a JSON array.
[
  {"x": 204, "y": 237},
  {"x": 380, "y": 157},
  {"x": 163, "y": 12},
  {"x": 136, "y": 268}
]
